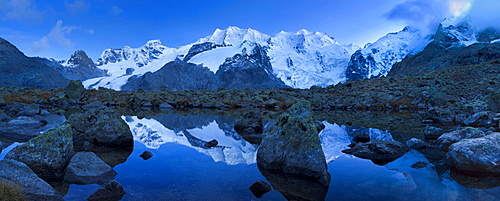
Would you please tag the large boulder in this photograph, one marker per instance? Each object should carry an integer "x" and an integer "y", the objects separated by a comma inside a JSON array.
[
  {"x": 100, "y": 126},
  {"x": 88, "y": 168},
  {"x": 294, "y": 147},
  {"x": 379, "y": 151},
  {"x": 32, "y": 186},
  {"x": 251, "y": 123},
  {"x": 476, "y": 156},
  {"x": 47, "y": 154},
  {"x": 75, "y": 90},
  {"x": 447, "y": 139}
]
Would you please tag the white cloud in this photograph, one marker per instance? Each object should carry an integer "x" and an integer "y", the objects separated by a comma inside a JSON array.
[
  {"x": 40, "y": 45},
  {"x": 77, "y": 7},
  {"x": 116, "y": 11},
  {"x": 424, "y": 14},
  {"x": 485, "y": 13},
  {"x": 20, "y": 11},
  {"x": 58, "y": 35}
]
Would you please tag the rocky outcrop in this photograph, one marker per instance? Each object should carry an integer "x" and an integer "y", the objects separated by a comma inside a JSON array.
[
  {"x": 47, "y": 154},
  {"x": 250, "y": 70},
  {"x": 199, "y": 48},
  {"x": 293, "y": 147},
  {"x": 479, "y": 156},
  {"x": 100, "y": 126},
  {"x": 359, "y": 66},
  {"x": 87, "y": 168},
  {"x": 111, "y": 191},
  {"x": 379, "y": 151},
  {"x": 174, "y": 76},
  {"x": 33, "y": 187},
  {"x": 18, "y": 70},
  {"x": 447, "y": 139},
  {"x": 78, "y": 67}
]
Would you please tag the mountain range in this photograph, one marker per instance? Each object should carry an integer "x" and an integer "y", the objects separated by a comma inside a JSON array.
[{"x": 237, "y": 58}]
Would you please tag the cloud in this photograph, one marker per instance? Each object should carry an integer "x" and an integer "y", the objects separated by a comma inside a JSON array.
[
  {"x": 485, "y": 13},
  {"x": 58, "y": 35},
  {"x": 20, "y": 11},
  {"x": 116, "y": 11},
  {"x": 424, "y": 14},
  {"x": 76, "y": 7}
]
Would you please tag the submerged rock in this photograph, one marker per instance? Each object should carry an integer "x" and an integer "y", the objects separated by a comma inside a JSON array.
[
  {"x": 260, "y": 188},
  {"x": 476, "y": 156},
  {"x": 251, "y": 123},
  {"x": 294, "y": 147},
  {"x": 87, "y": 168},
  {"x": 378, "y": 150},
  {"x": 100, "y": 126},
  {"x": 33, "y": 187},
  {"x": 47, "y": 154},
  {"x": 447, "y": 139},
  {"x": 111, "y": 191}
]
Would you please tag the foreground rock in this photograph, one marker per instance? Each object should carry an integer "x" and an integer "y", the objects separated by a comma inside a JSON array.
[
  {"x": 111, "y": 191},
  {"x": 448, "y": 139},
  {"x": 479, "y": 156},
  {"x": 294, "y": 147},
  {"x": 87, "y": 168},
  {"x": 33, "y": 187},
  {"x": 100, "y": 126},
  {"x": 379, "y": 151},
  {"x": 48, "y": 154}
]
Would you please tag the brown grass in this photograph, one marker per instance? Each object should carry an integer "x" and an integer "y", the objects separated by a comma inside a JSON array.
[{"x": 10, "y": 191}]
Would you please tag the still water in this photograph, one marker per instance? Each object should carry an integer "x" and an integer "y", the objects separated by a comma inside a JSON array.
[{"x": 182, "y": 169}]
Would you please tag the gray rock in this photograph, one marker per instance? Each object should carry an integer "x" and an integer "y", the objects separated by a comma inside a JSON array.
[
  {"x": 416, "y": 143},
  {"x": 165, "y": 106},
  {"x": 476, "y": 156},
  {"x": 100, "y": 126},
  {"x": 361, "y": 138},
  {"x": 75, "y": 90},
  {"x": 251, "y": 123},
  {"x": 47, "y": 154},
  {"x": 432, "y": 133},
  {"x": 87, "y": 168},
  {"x": 294, "y": 147},
  {"x": 34, "y": 188},
  {"x": 95, "y": 104},
  {"x": 480, "y": 119},
  {"x": 4, "y": 117},
  {"x": 111, "y": 191},
  {"x": 15, "y": 109},
  {"x": 378, "y": 150},
  {"x": 25, "y": 121},
  {"x": 447, "y": 139}
]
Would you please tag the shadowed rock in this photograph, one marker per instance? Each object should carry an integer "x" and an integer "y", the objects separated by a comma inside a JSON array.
[
  {"x": 87, "y": 168},
  {"x": 111, "y": 191},
  {"x": 379, "y": 151}
]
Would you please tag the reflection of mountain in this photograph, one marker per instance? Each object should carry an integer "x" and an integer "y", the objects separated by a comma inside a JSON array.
[{"x": 232, "y": 148}]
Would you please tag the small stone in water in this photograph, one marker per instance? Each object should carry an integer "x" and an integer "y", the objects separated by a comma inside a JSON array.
[
  {"x": 146, "y": 155},
  {"x": 212, "y": 143},
  {"x": 260, "y": 188}
]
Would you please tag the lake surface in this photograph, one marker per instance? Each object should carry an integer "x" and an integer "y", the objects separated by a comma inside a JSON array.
[{"x": 182, "y": 169}]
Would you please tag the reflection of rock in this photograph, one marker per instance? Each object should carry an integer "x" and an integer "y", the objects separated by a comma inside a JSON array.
[
  {"x": 87, "y": 168},
  {"x": 294, "y": 187},
  {"x": 48, "y": 154},
  {"x": 294, "y": 146},
  {"x": 447, "y": 139},
  {"x": 363, "y": 138},
  {"x": 379, "y": 151},
  {"x": 251, "y": 123},
  {"x": 112, "y": 155},
  {"x": 100, "y": 126},
  {"x": 479, "y": 156},
  {"x": 260, "y": 188},
  {"x": 111, "y": 191},
  {"x": 478, "y": 182},
  {"x": 33, "y": 187}
]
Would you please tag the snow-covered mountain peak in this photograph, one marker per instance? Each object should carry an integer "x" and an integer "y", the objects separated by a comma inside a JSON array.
[{"x": 234, "y": 36}]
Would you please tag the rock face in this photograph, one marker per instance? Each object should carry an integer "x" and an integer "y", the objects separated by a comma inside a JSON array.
[
  {"x": 35, "y": 188},
  {"x": 87, "y": 168},
  {"x": 78, "y": 67},
  {"x": 251, "y": 123},
  {"x": 250, "y": 70},
  {"x": 174, "y": 76},
  {"x": 100, "y": 126},
  {"x": 111, "y": 191},
  {"x": 476, "y": 156},
  {"x": 48, "y": 154},
  {"x": 294, "y": 147},
  {"x": 378, "y": 150},
  {"x": 447, "y": 139},
  {"x": 18, "y": 70}
]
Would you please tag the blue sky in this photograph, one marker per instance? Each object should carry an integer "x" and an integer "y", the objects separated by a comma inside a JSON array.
[{"x": 56, "y": 29}]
